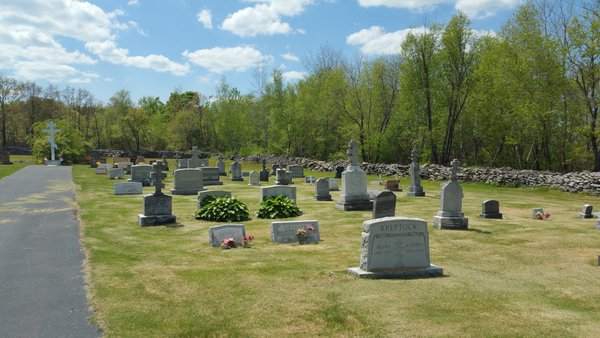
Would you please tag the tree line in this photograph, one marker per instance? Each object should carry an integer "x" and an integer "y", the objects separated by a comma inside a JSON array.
[{"x": 524, "y": 97}]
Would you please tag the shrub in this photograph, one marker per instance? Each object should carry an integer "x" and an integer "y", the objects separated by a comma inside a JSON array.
[
  {"x": 223, "y": 209},
  {"x": 278, "y": 207}
]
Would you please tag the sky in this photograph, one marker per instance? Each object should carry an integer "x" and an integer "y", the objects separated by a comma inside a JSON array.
[{"x": 156, "y": 47}]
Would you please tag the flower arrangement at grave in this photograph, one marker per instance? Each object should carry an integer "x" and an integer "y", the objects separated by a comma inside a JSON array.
[
  {"x": 223, "y": 209},
  {"x": 542, "y": 217},
  {"x": 231, "y": 243},
  {"x": 278, "y": 207},
  {"x": 302, "y": 233}
]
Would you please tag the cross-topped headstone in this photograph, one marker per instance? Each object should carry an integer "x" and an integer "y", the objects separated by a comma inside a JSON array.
[
  {"x": 51, "y": 131},
  {"x": 413, "y": 156},
  {"x": 264, "y": 164},
  {"x": 194, "y": 152},
  {"x": 353, "y": 153},
  {"x": 455, "y": 169},
  {"x": 157, "y": 176}
]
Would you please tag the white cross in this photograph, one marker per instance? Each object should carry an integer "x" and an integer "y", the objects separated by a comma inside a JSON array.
[{"x": 52, "y": 131}]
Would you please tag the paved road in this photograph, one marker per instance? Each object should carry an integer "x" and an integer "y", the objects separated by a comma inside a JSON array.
[{"x": 42, "y": 291}]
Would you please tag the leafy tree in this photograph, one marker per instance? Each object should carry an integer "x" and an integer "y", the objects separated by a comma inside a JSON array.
[{"x": 72, "y": 148}]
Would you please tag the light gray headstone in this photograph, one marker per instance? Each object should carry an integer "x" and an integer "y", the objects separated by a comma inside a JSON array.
[
  {"x": 286, "y": 232},
  {"x": 254, "y": 178},
  {"x": 218, "y": 233},
  {"x": 141, "y": 173},
  {"x": 211, "y": 176},
  {"x": 277, "y": 190},
  {"x": 310, "y": 180},
  {"x": 101, "y": 170},
  {"x": 296, "y": 171},
  {"x": 282, "y": 177},
  {"x": 354, "y": 194},
  {"x": 322, "y": 190},
  {"x": 333, "y": 185},
  {"x": 395, "y": 247},
  {"x": 116, "y": 173},
  {"x": 128, "y": 188},
  {"x": 451, "y": 216},
  {"x": 236, "y": 172},
  {"x": 187, "y": 181},
  {"x": 216, "y": 193}
]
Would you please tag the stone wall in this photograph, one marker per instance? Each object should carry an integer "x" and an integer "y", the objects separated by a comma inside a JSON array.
[{"x": 583, "y": 182}]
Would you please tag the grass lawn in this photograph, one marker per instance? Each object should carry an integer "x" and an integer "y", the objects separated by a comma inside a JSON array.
[
  {"x": 510, "y": 277},
  {"x": 19, "y": 162}
]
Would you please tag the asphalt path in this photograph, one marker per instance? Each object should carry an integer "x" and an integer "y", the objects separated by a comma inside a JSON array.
[{"x": 42, "y": 288}]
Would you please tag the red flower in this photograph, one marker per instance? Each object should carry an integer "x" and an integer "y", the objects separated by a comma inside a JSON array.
[{"x": 310, "y": 228}]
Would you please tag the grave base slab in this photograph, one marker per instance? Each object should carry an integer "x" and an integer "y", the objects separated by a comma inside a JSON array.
[
  {"x": 144, "y": 220},
  {"x": 451, "y": 223},
  {"x": 186, "y": 191},
  {"x": 431, "y": 271},
  {"x": 355, "y": 205},
  {"x": 493, "y": 216}
]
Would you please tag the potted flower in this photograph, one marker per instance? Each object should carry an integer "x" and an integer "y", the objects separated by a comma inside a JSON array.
[{"x": 303, "y": 233}]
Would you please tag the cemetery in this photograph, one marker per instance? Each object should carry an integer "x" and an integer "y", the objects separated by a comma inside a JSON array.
[{"x": 496, "y": 269}]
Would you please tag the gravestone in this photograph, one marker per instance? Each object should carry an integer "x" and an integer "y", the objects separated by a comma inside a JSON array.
[
  {"x": 254, "y": 178},
  {"x": 5, "y": 157},
  {"x": 165, "y": 162},
  {"x": 116, "y": 173},
  {"x": 53, "y": 147},
  {"x": 286, "y": 232},
  {"x": 333, "y": 185},
  {"x": 535, "y": 211},
  {"x": 415, "y": 189},
  {"x": 310, "y": 180},
  {"x": 322, "y": 190},
  {"x": 236, "y": 172},
  {"x": 124, "y": 165},
  {"x": 194, "y": 161},
  {"x": 187, "y": 181},
  {"x": 296, "y": 171},
  {"x": 245, "y": 174},
  {"x": 128, "y": 188},
  {"x": 274, "y": 168},
  {"x": 140, "y": 159},
  {"x": 598, "y": 226},
  {"x": 586, "y": 212},
  {"x": 283, "y": 177},
  {"x": 218, "y": 233},
  {"x": 395, "y": 247},
  {"x": 451, "y": 216},
  {"x": 338, "y": 171},
  {"x": 210, "y": 176},
  {"x": 221, "y": 166},
  {"x": 354, "y": 184},
  {"x": 490, "y": 209},
  {"x": 277, "y": 190},
  {"x": 157, "y": 207},
  {"x": 101, "y": 170},
  {"x": 384, "y": 205},
  {"x": 391, "y": 185},
  {"x": 141, "y": 173},
  {"x": 215, "y": 193},
  {"x": 117, "y": 159},
  {"x": 264, "y": 173}
]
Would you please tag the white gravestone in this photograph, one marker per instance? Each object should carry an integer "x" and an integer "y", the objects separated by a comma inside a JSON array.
[
  {"x": 194, "y": 161},
  {"x": 187, "y": 181},
  {"x": 277, "y": 190},
  {"x": 218, "y": 233},
  {"x": 53, "y": 147},
  {"x": 254, "y": 178},
  {"x": 286, "y": 232},
  {"x": 215, "y": 193},
  {"x": 451, "y": 216},
  {"x": 141, "y": 173},
  {"x": 333, "y": 185},
  {"x": 395, "y": 247},
  {"x": 415, "y": 189},
  {"x": 354, "y": 184},
  {"x": 128, "y": 188}
]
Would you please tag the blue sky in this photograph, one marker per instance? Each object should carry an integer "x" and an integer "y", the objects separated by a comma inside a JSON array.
[{"x": 153, "y": 47}]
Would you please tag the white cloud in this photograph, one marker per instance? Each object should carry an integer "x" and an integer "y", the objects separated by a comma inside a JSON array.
[
  {"x": 133, "y": 2},
  {"x": 220, "y": 60},
  {"x": 264, "y": 18},
  {"x": 293, "y": 75},
  {"x": 31, "y": 48},
  {"x": 473, "y": 8},
  {"x": 205, "y": 17},
  {"x": 290, "y": 57},
  {"x": 375, "y": 41}
]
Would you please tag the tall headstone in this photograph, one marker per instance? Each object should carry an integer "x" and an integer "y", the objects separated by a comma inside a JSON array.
[
  {"x": 254, "y": 178},
  {"x": 221, "y": 166},
  {"x": 194, "y": 161},
  {"x": 283, "y": 177},
  {"x": 415, "y": 188},
  {"x": 187, "y": 181},
  {"x": 384, "y": 205},
  {"x": 157, "y": 207},
  {"x": 297, "y": 171},
  {"x": 274, "y": 168},
  {"x": 264, "y": 173},
  {"x": 586, "y": 212},
  {"x": 395, "y": 247},
  {"x": 354, "y": 184},
  {"x": 5, "y": 157},
  {"x": 53, "y": 147},
  {"x": 451, "y": 216},
  {"x": 236, "y": 172},
  {"x": 338, "y": 171},
  {"x": 490, "y": 209},
  {"x": 322, "y": 190}
]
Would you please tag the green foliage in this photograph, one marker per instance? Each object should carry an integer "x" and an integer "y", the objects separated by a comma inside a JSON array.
[
  {"x": 223, "y": 209},
  {"x": 71, "y": 145},
  {"x": 278, "y": 207}
]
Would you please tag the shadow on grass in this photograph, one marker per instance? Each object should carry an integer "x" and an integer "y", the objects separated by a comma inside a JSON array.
[{"x": 479, "y": 231}]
